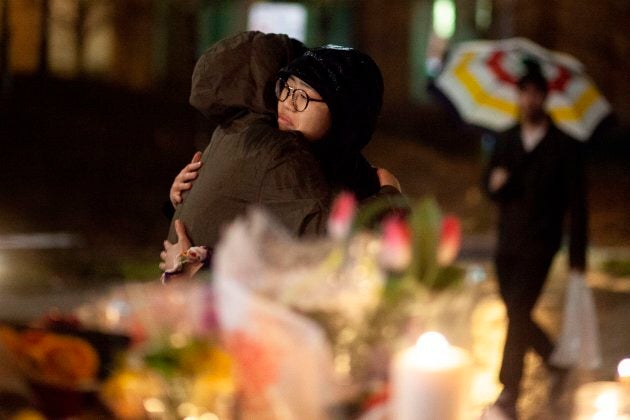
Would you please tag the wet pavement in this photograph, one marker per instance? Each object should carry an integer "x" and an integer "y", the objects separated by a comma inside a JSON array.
[{"x": 612, "y": 299}]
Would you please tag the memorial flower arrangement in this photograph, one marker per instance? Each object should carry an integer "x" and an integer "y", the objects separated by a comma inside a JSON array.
[
  {"x": 141, "y": 350},
  {"x": 337, "y": 305},
  {"x": 283, "y": 327},
  {"x": 171, "y": 380},
  {"x": 176, "y": 366}
]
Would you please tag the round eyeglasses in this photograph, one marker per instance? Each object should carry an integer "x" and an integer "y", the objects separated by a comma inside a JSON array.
[{"x": 299, "y": 98}]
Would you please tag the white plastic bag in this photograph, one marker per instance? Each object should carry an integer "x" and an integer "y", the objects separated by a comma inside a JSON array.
[{"x": 578, "y": 344}]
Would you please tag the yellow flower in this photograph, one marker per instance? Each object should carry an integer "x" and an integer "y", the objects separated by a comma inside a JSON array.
[
  {"x": 213, "y": 377},
  {"x": 219, "y": 363},
  {"x": 125, "y": 391}
]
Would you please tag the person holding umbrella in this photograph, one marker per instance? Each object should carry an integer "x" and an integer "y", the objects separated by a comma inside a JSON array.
[{"x": 536, "y": 177}]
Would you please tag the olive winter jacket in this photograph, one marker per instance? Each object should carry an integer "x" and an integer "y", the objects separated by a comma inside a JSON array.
[{"x": 249, "y": 161}]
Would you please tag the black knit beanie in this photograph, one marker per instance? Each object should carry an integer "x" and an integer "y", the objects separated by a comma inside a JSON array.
[{"x": 351, "y": 84}]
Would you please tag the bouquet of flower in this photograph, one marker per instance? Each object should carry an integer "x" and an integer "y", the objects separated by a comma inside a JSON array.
[
  {"x": 172, "y": 380},
  {"x": 176, "y": 366},
  {"x": 330, "y": 307},
  {"x": 288, "y": 328}
]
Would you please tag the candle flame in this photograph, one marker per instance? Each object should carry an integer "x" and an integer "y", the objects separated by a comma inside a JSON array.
[
  {"x": 432, "y": 342},
  {"x": 623, "y": 369},
  {"x": 433, "y": 351}
]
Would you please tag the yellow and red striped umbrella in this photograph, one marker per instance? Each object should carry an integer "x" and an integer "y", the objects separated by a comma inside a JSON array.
[{"x": 480, "y": 80}]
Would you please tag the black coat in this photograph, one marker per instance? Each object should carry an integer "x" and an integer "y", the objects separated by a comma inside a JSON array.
[{"x": 544, "y": 193}]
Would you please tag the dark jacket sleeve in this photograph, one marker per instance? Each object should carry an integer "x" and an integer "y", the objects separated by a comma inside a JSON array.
[
  {"x": 367, "y": 186},
  {"x": 397, "y": 203},
  {"x": 364, "y": 180},
  {"x": 496, "y": 159},
  {"x": 502, "y": 157}
]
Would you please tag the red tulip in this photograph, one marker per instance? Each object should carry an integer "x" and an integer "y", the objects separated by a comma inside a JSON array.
[
  {"x": 450, "y": 240},
  {"x": 343, "y": 210},
  {"x": 396, "y": 244}
]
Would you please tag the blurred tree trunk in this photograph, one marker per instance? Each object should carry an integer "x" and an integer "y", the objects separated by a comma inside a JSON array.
[
  {"x": 81, "y": 30},
  {"x": 132, "y": 21},
  {"x": 42, "y": 67},
  {"x": 4, "y": 37},
  {"x": 4, "y": 54}
]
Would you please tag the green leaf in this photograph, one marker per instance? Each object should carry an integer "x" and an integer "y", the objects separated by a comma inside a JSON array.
[
  {"x": 425, "y": 225},
  {"x": 165, "y": 361}
]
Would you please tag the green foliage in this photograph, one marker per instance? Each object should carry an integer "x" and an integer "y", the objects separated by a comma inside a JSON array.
[
  {"x": 449, "y": 276},
  {"x": 164, "y": 360},
  {"x": 425, "y": 220},
  {"x": 169, "y": 360}
]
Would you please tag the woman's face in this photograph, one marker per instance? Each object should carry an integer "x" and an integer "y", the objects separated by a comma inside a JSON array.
[{"x": 314, "y": 122}]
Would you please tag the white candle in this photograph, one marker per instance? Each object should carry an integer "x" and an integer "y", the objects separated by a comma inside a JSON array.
[
  {"x": 602, "y": 401},
  {"x": 430, "y": 381}
]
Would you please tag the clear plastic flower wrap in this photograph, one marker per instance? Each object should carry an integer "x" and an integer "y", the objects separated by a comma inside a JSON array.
[{"x": 292, "y": 300}]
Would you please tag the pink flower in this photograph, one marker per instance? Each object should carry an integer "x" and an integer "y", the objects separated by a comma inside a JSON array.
[
  {"x": 450, "y": 240},
  {"x": 343, "y": 210},
  {"x": 395, "y": 252}
]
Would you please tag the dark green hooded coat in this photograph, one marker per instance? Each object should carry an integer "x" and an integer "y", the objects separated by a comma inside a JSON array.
[{"x": 249, "y": 161}]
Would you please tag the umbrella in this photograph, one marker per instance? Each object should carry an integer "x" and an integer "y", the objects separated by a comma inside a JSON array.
[{"x": 480, "y": 80}]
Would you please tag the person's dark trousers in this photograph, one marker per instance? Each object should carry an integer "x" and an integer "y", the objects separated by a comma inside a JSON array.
[{"x": 521, "y": 281}]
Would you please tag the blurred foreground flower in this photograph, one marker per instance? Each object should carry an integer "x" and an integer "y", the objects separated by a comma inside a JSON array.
[
  {"x": 128, "y": 387},
  {"x": 177, "y": 365},
  {"x": 50, "y": 358},
  {"x": 358, "y": 287},
  {"x": 288, "y": 325},
  {"x": 450, "y": 240},
  {"x": 341, "y": 216},
  {"x": 395, "y": 254}
]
